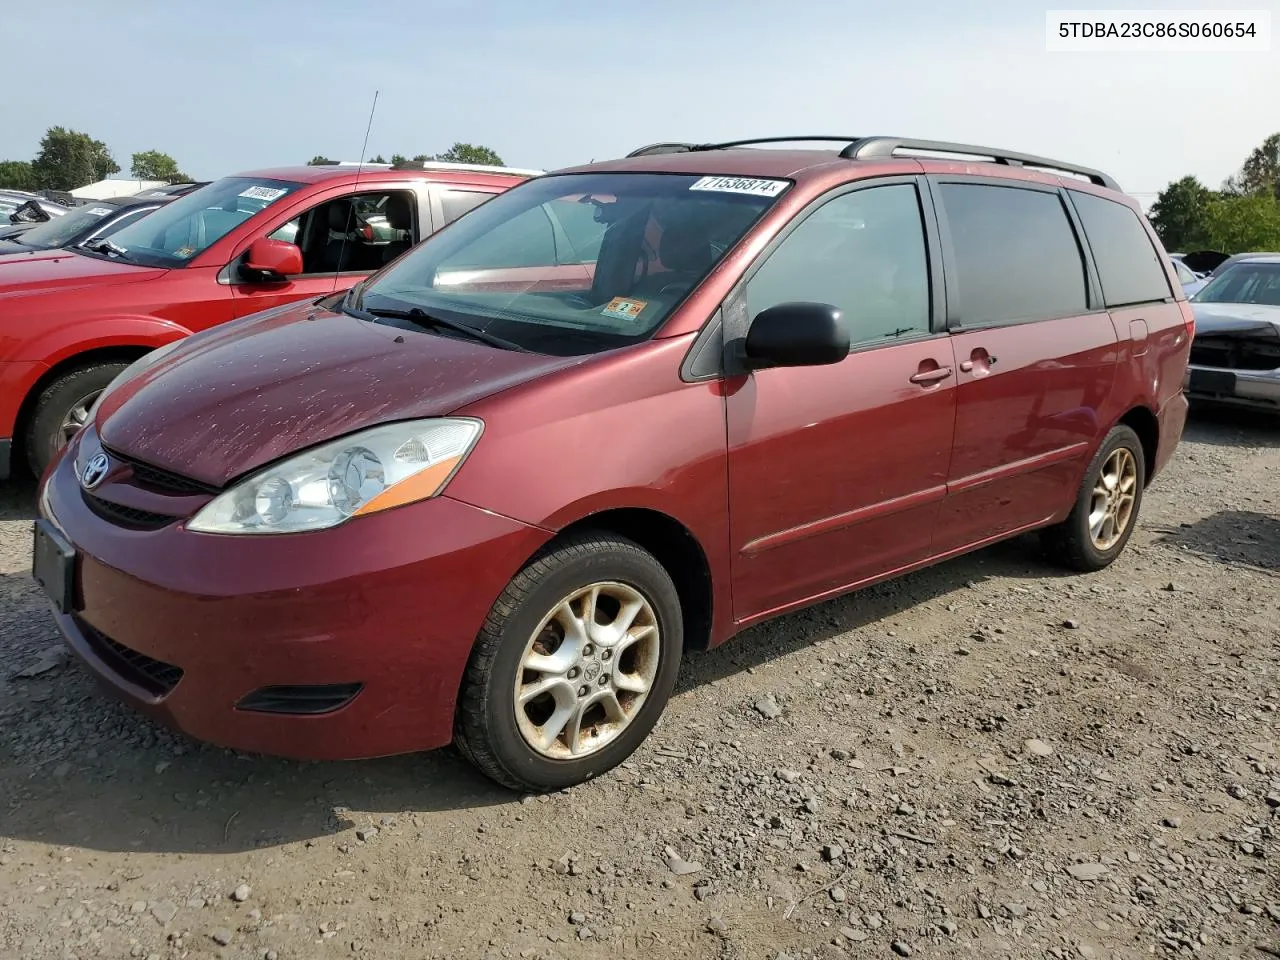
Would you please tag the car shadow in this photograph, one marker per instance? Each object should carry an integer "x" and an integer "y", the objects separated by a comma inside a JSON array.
[
  {"x": 79, "y": 769},
  {"x": 1225, "y": 426},
  {"x": 1239, "y": 538},
  {"x": 17, "y": 500}
]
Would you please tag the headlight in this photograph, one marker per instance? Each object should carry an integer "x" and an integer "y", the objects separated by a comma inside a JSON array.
[
  {"x": 131, "y": 371},
  {"x": 363, "y": 473}
]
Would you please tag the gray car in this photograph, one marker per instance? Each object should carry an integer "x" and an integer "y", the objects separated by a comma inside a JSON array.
[{"x": 1235, "y": 356}]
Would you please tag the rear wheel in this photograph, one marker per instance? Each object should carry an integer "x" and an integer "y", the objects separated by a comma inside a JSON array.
[
  {"x": 62, "y": 409},
  {"x": 573, "y": 667},
  {"x": 1107, "y": 505}
]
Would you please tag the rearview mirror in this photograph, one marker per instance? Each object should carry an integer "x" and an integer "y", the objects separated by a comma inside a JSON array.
[
  {"x": 271, "y": 261},
  {"x": 797, "y": 335}
]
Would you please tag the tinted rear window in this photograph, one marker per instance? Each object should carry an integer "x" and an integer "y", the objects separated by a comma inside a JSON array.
[
  {"x": 1129, "y": 266},
  {"x": 1016, "y": 254}
]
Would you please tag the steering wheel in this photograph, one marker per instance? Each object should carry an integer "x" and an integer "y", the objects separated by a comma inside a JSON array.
[{"x": 580, "y": 300}]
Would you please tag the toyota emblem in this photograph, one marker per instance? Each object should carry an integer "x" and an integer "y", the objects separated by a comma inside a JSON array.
[{"x": 94, "y": 471}]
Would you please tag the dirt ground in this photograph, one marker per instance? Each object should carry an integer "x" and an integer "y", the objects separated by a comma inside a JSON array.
[{"x": 987, "y": 759}]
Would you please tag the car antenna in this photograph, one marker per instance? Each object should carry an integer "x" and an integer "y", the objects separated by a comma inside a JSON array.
[{"x": 355, "y": 188}]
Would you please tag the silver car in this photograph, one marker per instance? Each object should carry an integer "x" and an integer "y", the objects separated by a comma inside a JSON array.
[{"x": 1235, "y": 356}]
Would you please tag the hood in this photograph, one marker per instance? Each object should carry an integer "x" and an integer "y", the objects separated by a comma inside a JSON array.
[
  {"x": 50, "y": 270},
  {"x": 1237, "y": 318},
  {"x": 236, "y": 398}
]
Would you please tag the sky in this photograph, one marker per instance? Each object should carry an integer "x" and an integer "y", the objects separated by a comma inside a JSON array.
[{"x": 246, "y": 84}]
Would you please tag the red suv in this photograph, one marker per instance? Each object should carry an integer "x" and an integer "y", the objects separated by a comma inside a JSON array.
[
  {"x": 73, "y": 319},
  {"x": 493, "y": 493}
]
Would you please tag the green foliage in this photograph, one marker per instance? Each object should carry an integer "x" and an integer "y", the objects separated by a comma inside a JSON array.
[
  {"x": 17, "y": 175},
  {"x": 465, "y": 153},
  {"x": 68, "y": 159},
  {"x": 1234, "y": 224},
  {"x": 376, "y": 159},
  {"x": 398, "y": 158},
  {"x": 318, "y": 160},
  {"x": 1178, "y": 214},
  {"x": 1243, "y": 216},
  {"x": 154, "y": 165}
]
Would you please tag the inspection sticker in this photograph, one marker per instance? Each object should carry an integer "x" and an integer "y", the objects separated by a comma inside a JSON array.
[
  {"x": 98, "y": 211},
  {"x": 757, "y": 188},
  {"x": 624, "y": 308},
  {"x": 263, "y": 193}
]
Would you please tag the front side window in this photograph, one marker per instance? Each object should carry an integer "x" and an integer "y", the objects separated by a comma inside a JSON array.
[
  {"x": 182, "y": 230},
  {"x": 863, "y": 253},
  {"x": 1016, "y": 254},
  {"x": 352, "y": 234},
  {"x": 578, "y": 262},
  {"x": 1130, "y": 268},
  {"x": 1245, "y": 281}
]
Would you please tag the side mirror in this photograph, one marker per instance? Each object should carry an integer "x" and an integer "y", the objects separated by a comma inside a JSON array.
[
  {"x": 271, "y": 261},
  {"x": 797, "y": 335}
]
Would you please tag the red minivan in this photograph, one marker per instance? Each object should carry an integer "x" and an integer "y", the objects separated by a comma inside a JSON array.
[
  {"x": 491, "y": 494},
  {"x": 71, "y": 319}
]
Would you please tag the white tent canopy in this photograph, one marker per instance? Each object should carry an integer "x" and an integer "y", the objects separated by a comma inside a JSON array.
[{"x": 106, "y": 189}]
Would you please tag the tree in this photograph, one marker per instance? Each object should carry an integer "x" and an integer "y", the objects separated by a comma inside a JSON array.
[
  {"x": 1261, "y": 171},
  {"x": 17, "y": 175},
  {"x": 1235, "y": 224},
  {"x": 399, "y": 158},
  {"x": 1179, "y": 213},
  {"x": 154, "y": 165},
  {"x": 465, "y": 153},
  {"x": 68, "y": 159},
  {"x": 377, "y": 159},
  {"x": 319, "y": 160}
]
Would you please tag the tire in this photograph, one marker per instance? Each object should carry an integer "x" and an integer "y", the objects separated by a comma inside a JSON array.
[
  {"x": 1071, "y": 543},
  {"x": 75, "y": 388},
  {"x": 496, "y": 735}
]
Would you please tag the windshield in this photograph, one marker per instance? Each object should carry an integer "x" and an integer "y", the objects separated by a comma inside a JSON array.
[
  {"x": 576, "y": 263},
  {"x": 63, "y": 230},
  {"x": 1244, "y": 282},
  {"x": 188, "y": 226}
]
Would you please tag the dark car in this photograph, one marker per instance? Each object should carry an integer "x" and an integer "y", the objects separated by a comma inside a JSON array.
[
  {"x": 1235, "y": 357},
  {"x": 170, "y": 190},
  {"x": 82, "y": 225},
  {"x": 494, "y": 492}
]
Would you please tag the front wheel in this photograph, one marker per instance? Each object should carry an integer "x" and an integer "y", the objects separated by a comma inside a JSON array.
[
  {"x": 62, "y": 409},
  {"x": 573, "y": 667},
  {"x": 1107, "y": 505}
]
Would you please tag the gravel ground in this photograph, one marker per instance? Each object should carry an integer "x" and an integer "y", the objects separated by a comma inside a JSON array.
[{"x": 986, "y": 759}]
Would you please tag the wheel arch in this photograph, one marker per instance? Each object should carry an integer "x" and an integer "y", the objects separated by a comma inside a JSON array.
[
  {"x": 674, "y": 546},
  {"x": 1143, "y": 421},
  {"x": 120, "y": 353}
]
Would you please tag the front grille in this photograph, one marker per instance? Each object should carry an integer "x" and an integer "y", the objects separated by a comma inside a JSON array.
[
  {"x": 1234, "y": 353},
  {"x": 162, "y": 481},
  {"x": 126, "y": 516},
  {"x": 154, "y": 676},
  {"x": 311, "y": 699}
]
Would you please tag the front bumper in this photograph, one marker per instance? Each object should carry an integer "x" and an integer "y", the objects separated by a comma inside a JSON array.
[
  {"x": 184, "y": 625},
  {"x": 1252, "y": 388}
]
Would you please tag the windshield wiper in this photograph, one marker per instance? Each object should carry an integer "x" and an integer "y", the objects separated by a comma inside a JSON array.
[
  {"x": 106, "y": 246},
  {"x": 420, "y": 318}
]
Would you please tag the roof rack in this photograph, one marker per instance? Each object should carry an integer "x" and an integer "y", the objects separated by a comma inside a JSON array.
[
  {"x": 868, "y": 148},
  {"x": 475, "y": 167}
]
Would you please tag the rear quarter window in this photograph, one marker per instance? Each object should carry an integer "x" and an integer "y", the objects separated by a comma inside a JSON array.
[
  {"x": 1015, "y": 254},
  {"x": 1130, "y": 267}
]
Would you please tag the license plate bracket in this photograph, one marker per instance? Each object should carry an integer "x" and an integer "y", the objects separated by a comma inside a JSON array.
[
  {"x": 53, "y": 565},
  {"x": 1213, "y": 381}
]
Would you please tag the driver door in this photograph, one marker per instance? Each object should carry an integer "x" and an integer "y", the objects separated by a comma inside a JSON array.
[
  {"x": 343, "y": 239},
  {"x": 837, "y": 473}
]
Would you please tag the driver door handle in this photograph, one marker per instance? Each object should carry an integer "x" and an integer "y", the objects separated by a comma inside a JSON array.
[{"x": 931, "y": 376}]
